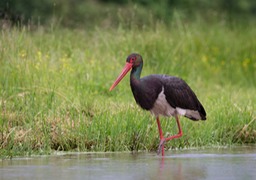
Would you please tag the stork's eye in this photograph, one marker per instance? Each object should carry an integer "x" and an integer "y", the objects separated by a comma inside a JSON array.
[{"x": 132, "y": 60}]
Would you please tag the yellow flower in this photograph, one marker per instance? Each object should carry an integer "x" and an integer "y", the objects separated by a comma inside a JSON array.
[
  {"x": 245, "y": 62},
  {"x": 23, "y": 54},
  {"x": 204, "y": 58},
  {"x": 38, "y": 63},
  {"x": 39, "y": 56}
]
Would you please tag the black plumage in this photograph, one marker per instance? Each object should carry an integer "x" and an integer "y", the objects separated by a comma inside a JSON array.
[
  {"x": 162, "y": 95},
  {"x": 176, "y": 90}
]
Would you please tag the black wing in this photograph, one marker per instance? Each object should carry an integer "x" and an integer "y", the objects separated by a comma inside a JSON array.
[{"x": 179, "y": 94}]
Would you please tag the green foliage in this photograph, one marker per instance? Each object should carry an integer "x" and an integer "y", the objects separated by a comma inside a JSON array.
[
  {"x": 112, "y": 13},
  {"x": 54, "y": 86}
]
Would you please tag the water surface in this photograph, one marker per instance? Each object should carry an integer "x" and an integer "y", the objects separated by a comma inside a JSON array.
[{"x": 223, "y": 163}]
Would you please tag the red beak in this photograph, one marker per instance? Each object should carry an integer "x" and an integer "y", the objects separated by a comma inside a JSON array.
[{"x": 126, "y": 69}]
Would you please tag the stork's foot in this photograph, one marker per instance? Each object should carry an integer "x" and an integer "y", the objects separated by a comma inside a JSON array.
[{"x": 161, "y": 146}]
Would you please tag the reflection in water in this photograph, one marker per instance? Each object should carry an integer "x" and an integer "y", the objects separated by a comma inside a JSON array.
[
  {"x": 179, "y": 165},
  {"x": 170, "y": 168}
]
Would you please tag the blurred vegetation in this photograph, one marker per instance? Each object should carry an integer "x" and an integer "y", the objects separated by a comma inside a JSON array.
[
  {"x": 112, "y": 13},
  {"x": 54, "y": 84},
  {"x": 54, "y": 88}
]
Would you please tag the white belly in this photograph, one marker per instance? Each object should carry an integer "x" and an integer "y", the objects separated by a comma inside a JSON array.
[{"x": 162, "y": 107}]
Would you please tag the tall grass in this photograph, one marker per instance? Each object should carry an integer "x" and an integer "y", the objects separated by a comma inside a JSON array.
[{"x": 54, "y": 87}]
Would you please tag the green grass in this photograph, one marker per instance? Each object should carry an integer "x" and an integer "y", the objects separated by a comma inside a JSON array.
[{"x": 54, "y": 87}]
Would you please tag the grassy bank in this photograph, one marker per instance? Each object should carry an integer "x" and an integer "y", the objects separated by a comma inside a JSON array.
[{"x": 54, "y": 87}]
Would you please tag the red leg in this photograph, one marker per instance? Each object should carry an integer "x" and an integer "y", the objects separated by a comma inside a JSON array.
[
  {"x": 162, "y": 139},
  {"x": 180, "y": 131}
]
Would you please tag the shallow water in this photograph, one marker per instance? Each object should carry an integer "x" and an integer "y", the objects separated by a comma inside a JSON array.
[{"x": 224, "y": 163}]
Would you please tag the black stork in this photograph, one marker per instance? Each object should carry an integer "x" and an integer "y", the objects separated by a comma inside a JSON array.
[{"x": 161, "y": 95}]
